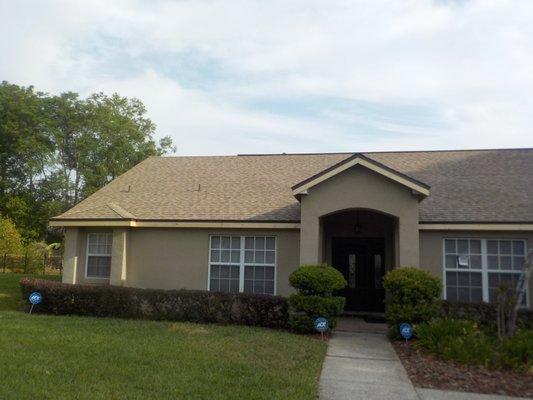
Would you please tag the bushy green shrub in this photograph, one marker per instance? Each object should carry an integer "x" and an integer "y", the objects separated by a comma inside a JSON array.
[
  {"x": 320, "y": 280},
  {"x": 463, "y": 341},
  {"x": 315, "y": 285},
  {"x": 484, "y": 314},
  {"x": 516, "y": 352},
  {"x": 309, "y": 308},
  {"x": 412, "y": 296},
  {"x": 154, "y": 304},
  {"x": 459, "y": 340}
]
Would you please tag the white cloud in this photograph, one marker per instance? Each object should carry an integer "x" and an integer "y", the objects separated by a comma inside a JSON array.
[{"x": 471, "y": 60}]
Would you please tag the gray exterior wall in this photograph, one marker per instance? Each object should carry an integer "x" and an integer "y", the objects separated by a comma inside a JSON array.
[{"x": 171, "y": 258}]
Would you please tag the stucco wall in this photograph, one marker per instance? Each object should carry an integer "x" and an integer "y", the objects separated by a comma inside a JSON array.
[
  {"x": 359, "y": 187},
  {"x": 431, "y": 247},
  {"x": 169, "y": 258}
]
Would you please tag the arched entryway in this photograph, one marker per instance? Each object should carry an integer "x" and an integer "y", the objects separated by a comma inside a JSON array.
[{"x": 361, "y": 244}]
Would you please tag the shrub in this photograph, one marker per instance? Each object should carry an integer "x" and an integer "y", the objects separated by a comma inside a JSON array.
[
  {"x": 484, "y": 314},
  {"x": 458, "y": 340},
  {"x": 309, "y": 308},
  {"x": 175, "y": 305},
  {"x": 315, "y": 285},
  {"x": 463, "y": 341},
  {"x": 516, "y": 352},
  {"x": 412, "y": 296},
  {"x": 320, "y": 280}
]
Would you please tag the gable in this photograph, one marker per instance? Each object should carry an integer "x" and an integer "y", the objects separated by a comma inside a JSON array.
[{"x": 365, "y": 162}]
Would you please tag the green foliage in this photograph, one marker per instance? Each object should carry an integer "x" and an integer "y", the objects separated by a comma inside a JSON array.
[
  {"x": 56, "y": 150},
  {"x": 315, "y": 285},
  {"x": 310, "y": 307},
  {"x": 463, "y": 341},
  {"x": 412, "y": 296},
  {"x": 10, "y": 240},
  {"x": 155, "y": 304},
  {"x": 516, "y": 352},
  {"x": 320, "y": 280}
]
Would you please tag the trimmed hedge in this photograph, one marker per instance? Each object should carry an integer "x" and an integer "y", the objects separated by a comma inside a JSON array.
[
  {"x": 412, "y": 296},
  {"x": 315, "y": 285},
  {"x": 320, "y": 280},
  {"x": 175, "y": 305},
  {"x": 484, "y": 314},
  {"x": 308, "y": 308}
]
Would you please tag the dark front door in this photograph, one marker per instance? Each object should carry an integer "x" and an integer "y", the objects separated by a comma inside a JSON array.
[{"x": 361, "y": 260}]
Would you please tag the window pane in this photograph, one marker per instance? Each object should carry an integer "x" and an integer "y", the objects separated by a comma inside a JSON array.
[
  {"x": 224, "y": 256},
  {"x": 475, "y": 247},
  {"x": 98, "y": 266},
  {"x": 271, "y": 243},
  {"x": 225, "y": 243},
  {"x": 224, "y": 271},
  {"x": 475, "y": 279},
  {"x": 93, "y": 239},
  {"x": 449, "y": 246},
  {"x": 269, "y": 273},
  {"x": 93, "y": 248},
  {"x": 475, "y": 262},
  {"x": 248, "y": 256},
  {"x": 451, "y": 293},
  {"x": 215, "y": 255},
  {"x": 259, "y": 243},
  {"x": 215, "y": 242},
  {"x": 235, "y": 243},
  {"x": 259, "y": 273},
  {"x": 249, "y": 243},
  {"x": 259, "y": 257},
  {"x": 518, "y": 262},
  {"x": 451, "y": 278},
  {"x": 462, "y": 246},
  {"x": 451, "y": 261},
  {"x": 518, "y": 247},
  {"x": 492, "y": 246},
  {"x": 463, "y": 279},
  {"x": 505, "y": 247},
  {"x": 270, "y": 257},
  {"x": 476, "y": 295},
  {"x": 492, "y": 262},
  {"x": 224, "y": 278},
  {"x": 235, "y": 256},
  {"x": 505, "y": 262}
]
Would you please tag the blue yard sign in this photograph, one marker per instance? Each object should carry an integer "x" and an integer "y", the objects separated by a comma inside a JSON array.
[
  {"x": 35, "y": 298},
  {"x": 321, "y": 325},
  {"x": 406, "y": 330}
]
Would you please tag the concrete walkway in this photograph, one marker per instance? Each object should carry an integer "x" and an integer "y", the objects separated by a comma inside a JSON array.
[{"x": 361, "y": 364}]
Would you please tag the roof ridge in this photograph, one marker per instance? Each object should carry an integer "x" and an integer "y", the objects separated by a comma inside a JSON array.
[{"x": 344, "y": 152}]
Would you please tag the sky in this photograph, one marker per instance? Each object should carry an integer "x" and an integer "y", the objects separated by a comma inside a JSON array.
[{"x": 229, "y": 77}]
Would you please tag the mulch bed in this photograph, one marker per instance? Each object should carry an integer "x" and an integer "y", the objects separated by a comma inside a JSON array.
[{"x": 429, "y": 371}]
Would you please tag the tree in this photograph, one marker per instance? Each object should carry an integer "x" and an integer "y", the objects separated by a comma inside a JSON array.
[
  {"x": 56, "y": 150},
  {"x": 10, "y": 240}
]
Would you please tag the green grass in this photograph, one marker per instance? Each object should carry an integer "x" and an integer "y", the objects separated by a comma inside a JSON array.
[{"x": 52, "y": 357}]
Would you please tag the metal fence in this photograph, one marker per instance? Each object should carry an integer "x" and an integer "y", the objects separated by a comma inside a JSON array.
[{"x": 26, "y": 263}]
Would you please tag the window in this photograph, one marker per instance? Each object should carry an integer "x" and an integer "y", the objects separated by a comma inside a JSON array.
[
  {"x": 99, "y": 247},
  {"x": 242, "y": 264},
  {"x": 475, "y": 268}
]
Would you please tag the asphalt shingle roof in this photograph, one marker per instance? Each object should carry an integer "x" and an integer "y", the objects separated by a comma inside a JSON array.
[{"x": 466, "y": 186}]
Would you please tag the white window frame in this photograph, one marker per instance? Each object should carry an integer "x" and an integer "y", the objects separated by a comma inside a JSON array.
[
  {"x": 484, "y": 264},
  {"x": 242, "y": 264},
  {"x": 88, "y": 254}
]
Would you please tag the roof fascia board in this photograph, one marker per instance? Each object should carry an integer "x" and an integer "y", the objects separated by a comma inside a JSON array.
[
  {"x": 475, "y": 227},
  {"x": 367, "y": 164},
  {"x": 176, "y": 224}
]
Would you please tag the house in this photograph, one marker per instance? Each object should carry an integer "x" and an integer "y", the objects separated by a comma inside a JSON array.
[{"x": 244, "y": 223}]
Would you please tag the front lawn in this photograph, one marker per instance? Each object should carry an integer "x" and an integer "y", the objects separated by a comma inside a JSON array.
[
  {"x": 53, "y": 357},
  {"x": 10, "y": 290}
]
